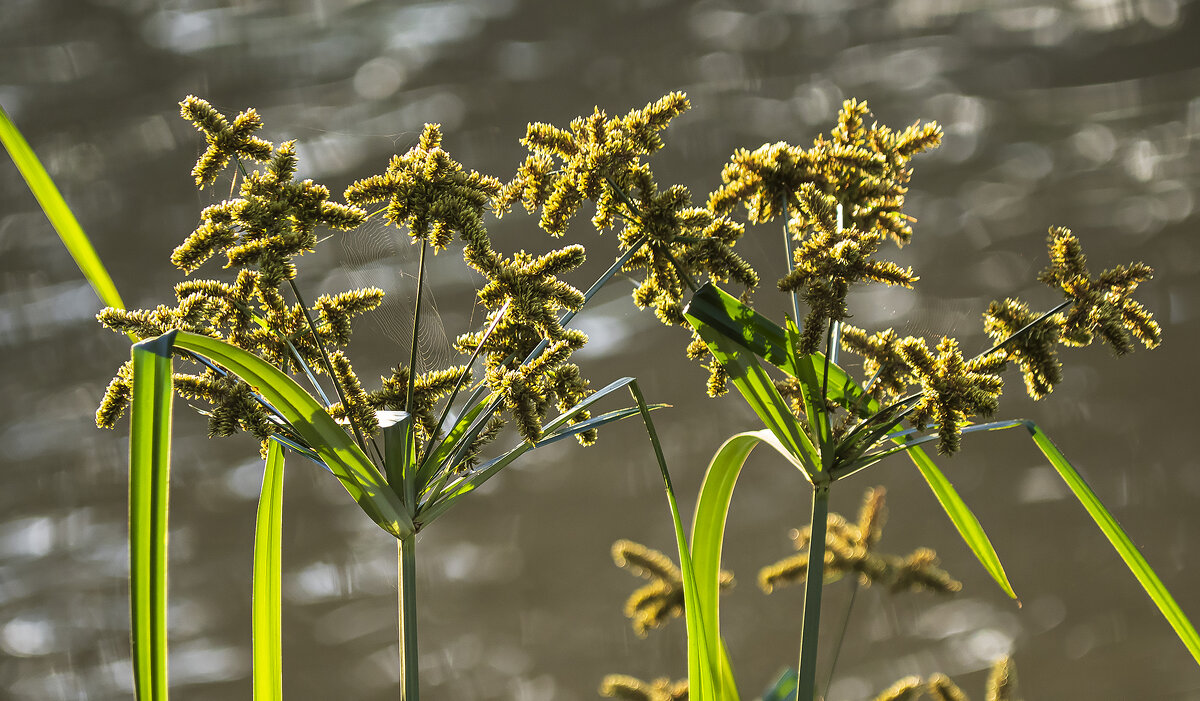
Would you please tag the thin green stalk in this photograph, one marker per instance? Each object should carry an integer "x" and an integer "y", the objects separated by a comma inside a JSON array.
[
  {"x": 407, "y": 574},
  {"x": 1026, "y": 327},
  {"x": 837, "y": 649},
  {"x": 826, "y": 423},
  {"x": 679, "y": 269},
  {"x": 813, "y": 584},
  {"x": 791, "y": 264},
  {"x": 312, "y": 327},
  {"x": 411, "y": 434}
]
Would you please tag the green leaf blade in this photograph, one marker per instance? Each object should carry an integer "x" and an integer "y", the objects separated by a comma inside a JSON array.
[
  {"x": 961, "y": 515},
  {"x": 149, "y": 480},
  {"x": 710, "y": 677},
  {"x": 1133, "y": 558},
  {"x": 59, "y": 214},
  {"x": 266, "y": 632},
  {"x": 725, "y": 335},
  {"x": 345, "y": 459}
]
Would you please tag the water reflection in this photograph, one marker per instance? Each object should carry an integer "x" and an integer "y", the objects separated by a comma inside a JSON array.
[{"x": 1083, "y": 114}]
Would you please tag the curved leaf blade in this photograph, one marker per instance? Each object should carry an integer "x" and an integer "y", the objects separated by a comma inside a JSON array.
[
  {"x": 266, "y": 633},
  {"x": 149, "y": 480},
  {"x": 342, "y": 456},
  {"x": 708, "y": 530}
]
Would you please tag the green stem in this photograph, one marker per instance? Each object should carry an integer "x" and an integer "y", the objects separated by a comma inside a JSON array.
[
  {"x": 791, "y": 264},
  {"x": 410, "y": 436},
  {"x": 312, "y": 327},
  {"x": 813, "y": 583},
  {"x": 407, "y": 572}
]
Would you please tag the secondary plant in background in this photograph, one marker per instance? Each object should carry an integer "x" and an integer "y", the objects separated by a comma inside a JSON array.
[{"x": 850, "y": 552}]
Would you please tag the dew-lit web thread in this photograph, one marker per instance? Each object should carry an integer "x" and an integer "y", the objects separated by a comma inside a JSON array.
[
  {"x": 934, "y": 318},
  {"x": 380, "y": 255}
]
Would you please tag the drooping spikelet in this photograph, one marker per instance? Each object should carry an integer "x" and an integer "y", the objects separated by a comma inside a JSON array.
[
  {"x": 850, "y": 550},
  {"x": 621, "y": 686},
  {"x": 659, "y": 601}
]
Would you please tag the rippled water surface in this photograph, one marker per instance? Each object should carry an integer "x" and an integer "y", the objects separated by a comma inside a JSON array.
[{"x": 1084, "y": 114}]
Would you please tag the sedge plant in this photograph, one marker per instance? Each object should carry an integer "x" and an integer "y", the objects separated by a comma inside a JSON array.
[
  {"x": 407, "y": 451},
  {"x": 834, "y": 205}
]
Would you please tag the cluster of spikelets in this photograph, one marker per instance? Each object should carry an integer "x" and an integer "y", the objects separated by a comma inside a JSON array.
[
  {"x": 1001, "y": 686},
  {"x": 670, "y": 243},
  {"x": 952, "y": 389},
  {"x": 662, "y": 599},
  {"x": 864, "y": 169},
  {"x": 274, "y": 220},
  {"x": 850, "y": 551}
]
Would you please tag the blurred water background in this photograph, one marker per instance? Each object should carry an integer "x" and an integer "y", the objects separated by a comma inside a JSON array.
[{"x": 1083, "y": 113}]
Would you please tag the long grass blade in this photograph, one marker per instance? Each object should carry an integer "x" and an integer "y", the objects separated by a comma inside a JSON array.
[
  {"x": 266, "y": 636},
  {"x": 1120, "y": 541},
  {"x": 59, "y": 213},
  {"x": 709, "y": 675},
  {"x": 315, "y": 426},
  {"x": 708, "y": 525},
  {"x": 149, "y": 479}
]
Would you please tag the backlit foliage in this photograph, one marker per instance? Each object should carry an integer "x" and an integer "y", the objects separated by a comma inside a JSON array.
[{"x": 275, "y": 220}]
